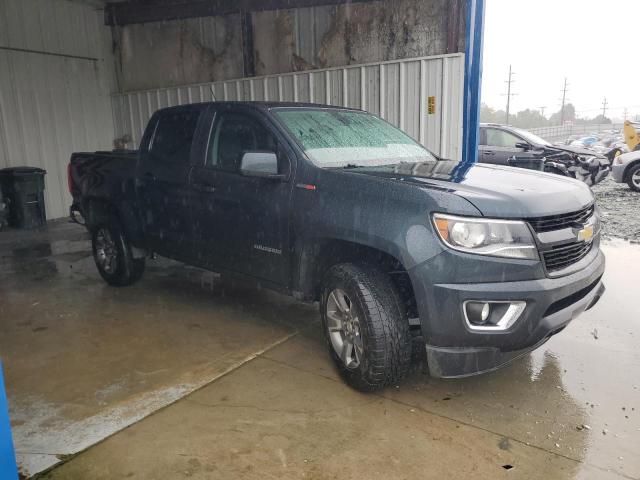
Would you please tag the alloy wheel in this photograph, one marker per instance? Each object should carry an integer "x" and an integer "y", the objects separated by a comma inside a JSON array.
[
  {"x": 343, "y": 325},
  {"x": 106, "y": 251}
]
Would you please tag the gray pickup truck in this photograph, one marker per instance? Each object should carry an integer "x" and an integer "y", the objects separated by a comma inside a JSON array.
[{"x": 475, "y": 264}]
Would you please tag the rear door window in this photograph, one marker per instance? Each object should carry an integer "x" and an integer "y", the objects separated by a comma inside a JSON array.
[{"x": 171, "y": 142}]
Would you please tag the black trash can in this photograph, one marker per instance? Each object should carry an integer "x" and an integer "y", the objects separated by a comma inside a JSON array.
[{"x": 23, "y": 191}]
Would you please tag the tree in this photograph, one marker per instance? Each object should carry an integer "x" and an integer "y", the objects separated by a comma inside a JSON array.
[
  {"x": 529, "y": 119},
  {"x": 569, "y": 115}
]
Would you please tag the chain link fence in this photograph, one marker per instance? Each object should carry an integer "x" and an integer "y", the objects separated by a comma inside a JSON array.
[{"x": 562, "y": 132}]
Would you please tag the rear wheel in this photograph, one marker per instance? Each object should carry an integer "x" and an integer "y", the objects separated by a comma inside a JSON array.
[
  {"x": 113, "y": 255},
  {"x": 633, "y": 178},
  {"x": 367, "y": 334}
]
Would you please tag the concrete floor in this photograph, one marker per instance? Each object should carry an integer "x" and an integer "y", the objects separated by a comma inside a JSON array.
[{"x": 250, "y": 392}]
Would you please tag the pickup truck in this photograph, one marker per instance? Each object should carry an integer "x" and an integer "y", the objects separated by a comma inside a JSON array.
[{"x": 476, "y": 264}]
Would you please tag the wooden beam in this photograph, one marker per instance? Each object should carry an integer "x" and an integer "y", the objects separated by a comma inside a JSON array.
[{"x": 145, "y": 11}]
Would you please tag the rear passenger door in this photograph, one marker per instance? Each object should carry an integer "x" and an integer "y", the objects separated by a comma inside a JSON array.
[
  {"x": 163, "y": 171},
  {"x": 242, "y": 223},
  {"x": 499, "y": 146}
]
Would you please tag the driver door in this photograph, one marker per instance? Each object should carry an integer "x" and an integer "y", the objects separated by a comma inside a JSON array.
[
  {"x": 242, "y": 222},
  {"x": 500, "y": 146}
]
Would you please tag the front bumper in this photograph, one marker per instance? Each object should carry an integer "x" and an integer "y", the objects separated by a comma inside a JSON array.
[
  {"x": 454, "y": 350},
  {"x": 617, "y": 172}
]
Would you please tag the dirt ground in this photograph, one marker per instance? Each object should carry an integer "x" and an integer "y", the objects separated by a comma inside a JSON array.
[{"x": 621, "y": 210}]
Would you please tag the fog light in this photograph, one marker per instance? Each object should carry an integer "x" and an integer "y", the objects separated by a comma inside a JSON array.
[
  {"x": 478, "y": 312},
  {"x": 492, "y": 316}
]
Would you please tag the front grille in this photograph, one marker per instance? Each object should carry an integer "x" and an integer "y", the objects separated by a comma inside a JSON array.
[
  {"x": 564, "y": 255},
  {"x": 558, "y": 222}
]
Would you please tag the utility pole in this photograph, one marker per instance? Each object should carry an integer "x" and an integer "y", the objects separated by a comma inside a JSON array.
[
  {"x": 564, "y": 99},
  {"x": 509, "y": 94},
  {"x": 542, "y": 110},
  {"x": 604, "y": 107},
  {"x": 625, "y": 114}
]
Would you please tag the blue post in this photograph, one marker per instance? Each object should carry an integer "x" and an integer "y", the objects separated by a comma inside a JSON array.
[
  {"x": 472, "y": 81},
  {"x": 8, "y": 470}
]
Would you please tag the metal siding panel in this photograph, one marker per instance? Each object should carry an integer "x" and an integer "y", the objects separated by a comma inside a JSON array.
[
  {"x": 433, "y": 125},
  {"x": 319, "y": 87},
  {"x": 392, "y": 94},
  {"x": 287, "y": 88},
  {"x": 258, "y": 89},
  {"x": 354, "y": 97},
  {"x": 335, "y": 87},
  {"x": 4, "y": 34},
  {"x": 272, "y": 88},
  {"x": 412, "y": 99},
  {"x": 51, "y": 106},
  {"x": 381, "y": 88},
  {"x": 372, "y": 89},
  {"x": 302, "y": 81},
  {"x": 452, "y": 127}
]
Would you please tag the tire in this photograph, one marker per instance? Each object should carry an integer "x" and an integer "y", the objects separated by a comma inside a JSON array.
[
  {"x": 360, "y": 305},
  {"x": 633, "y": 177},
  {"x": 113, "y": 255}
]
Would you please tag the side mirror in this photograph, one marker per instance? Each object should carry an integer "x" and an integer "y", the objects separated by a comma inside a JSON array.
[
  {"x": 523, "y": 145},
  {"x": 260, "y": 164}
]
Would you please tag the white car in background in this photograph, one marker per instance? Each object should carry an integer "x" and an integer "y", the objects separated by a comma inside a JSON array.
[{"x": 626, "y": 169}]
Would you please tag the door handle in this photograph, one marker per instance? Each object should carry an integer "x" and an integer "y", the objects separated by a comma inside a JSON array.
[{"x": 203, "y": 187}]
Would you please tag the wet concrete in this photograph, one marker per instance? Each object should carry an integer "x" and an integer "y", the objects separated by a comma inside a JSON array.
[
  {"x": 84, "y": 360},
  {"x": 569, "y": 410}
]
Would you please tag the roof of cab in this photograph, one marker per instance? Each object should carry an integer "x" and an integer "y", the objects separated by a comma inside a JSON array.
[{"x": 263, "y": 105}]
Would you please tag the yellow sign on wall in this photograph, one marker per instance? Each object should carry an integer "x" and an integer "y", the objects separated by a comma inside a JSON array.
[{"x": 431, "y": 105}]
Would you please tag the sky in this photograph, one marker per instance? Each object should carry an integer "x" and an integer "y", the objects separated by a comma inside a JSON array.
[{"x": 594, "y": 43}]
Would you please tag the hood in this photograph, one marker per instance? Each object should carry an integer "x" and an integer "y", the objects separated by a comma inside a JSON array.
[
  {"x": 572, "y": 149},
  {"x": 502, "y": 192},
  {"x": 629, "y": 157}
]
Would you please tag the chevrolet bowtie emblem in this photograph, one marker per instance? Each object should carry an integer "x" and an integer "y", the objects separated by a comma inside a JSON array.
[{"x": 586, "y": 234}]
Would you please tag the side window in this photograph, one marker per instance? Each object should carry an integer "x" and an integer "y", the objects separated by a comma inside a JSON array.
[
  {"x": 174, "y": 133},
  {"x": 234, "y": 135},
  {"x": 500, "y": 138}
]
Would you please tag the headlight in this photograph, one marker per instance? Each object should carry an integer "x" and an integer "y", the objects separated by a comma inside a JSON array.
[{"x": 483, "y": 236}]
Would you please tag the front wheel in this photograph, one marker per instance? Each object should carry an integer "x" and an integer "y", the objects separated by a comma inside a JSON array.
[
  {"x": 633, "y": 178},
  {"x": 113, "y": 255},
  {"x": 366, "y": 330}
]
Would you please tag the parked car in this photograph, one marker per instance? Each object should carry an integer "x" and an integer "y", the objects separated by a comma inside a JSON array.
[
  {"x": 626, "y": 169},
  {"x": 585, "y": 142},
  {"x": 337, "y": 206},
  {"x": 505, "y": 145}
]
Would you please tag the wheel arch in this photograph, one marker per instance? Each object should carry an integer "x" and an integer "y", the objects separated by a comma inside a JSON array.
[
  {"x": 97, "y": 210},
  {"x": 627, "y": 169},
  {"x": 318, "y": 256}
]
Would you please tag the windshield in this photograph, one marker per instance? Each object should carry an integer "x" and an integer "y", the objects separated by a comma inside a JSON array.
[
  {"x": 532, "y": 137},
  {"x": 341, "y": 138}
]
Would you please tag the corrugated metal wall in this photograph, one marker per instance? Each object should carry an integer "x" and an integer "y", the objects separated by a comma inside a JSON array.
[
  {"x": 398, "y": 91},
  {"x": 55, "y": 82}
]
